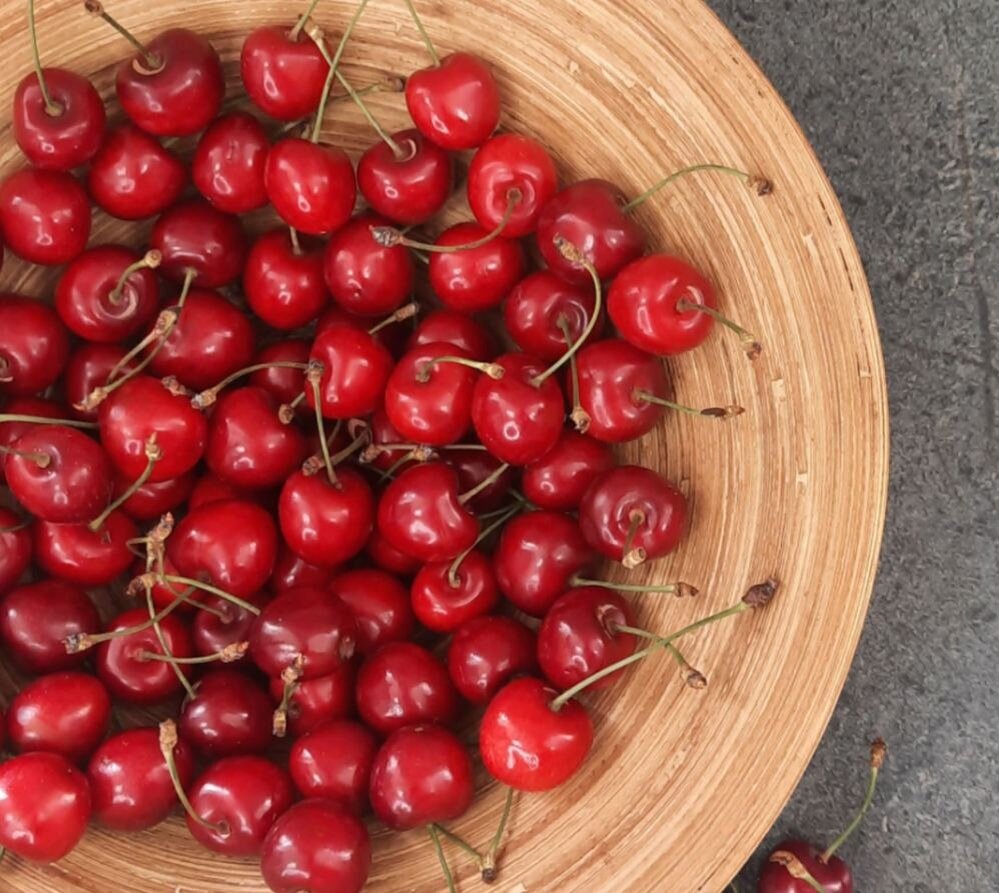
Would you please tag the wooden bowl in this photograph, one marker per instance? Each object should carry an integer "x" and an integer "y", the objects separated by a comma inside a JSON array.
[{"x": 681, "y": 784}]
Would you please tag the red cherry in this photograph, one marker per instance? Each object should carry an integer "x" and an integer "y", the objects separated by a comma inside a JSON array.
[
  {"x": 292, "y": 571},
  {"x": 152, "y": 501},
  {"x": 834, "y": 876},
  {"x": 44, "y": 806},
  {"x": 11, "y": 432},
  {"x": 390, "y": 334},
  {"x": 283, "y": 382},
  {"x": 473, "y": 279},
  {"x": 175, "y": 87},
  {"x": 63, "y": 713},
  {"x": 410, "y": 188},
  {"x": 209, "y": 488},
  {"x": 230, "y": 625},
  {"x": 387, "y": 557},
  {"x": 326, "y": 524},
  {"x": 538, "y": 555},
  {"x": 228, "y": 165},
  {"x": 334, "y": 762},
  {"x": 545, "y": 314},
  {"x": 315, "y": 847},
  {"x": 283, "y": 281},
  {"x": 401, "y": 684},
  {"x": 229, "y": 715},
  {"x": 443, "y": 601},
  {"x": 193, "y": 235},
  {"x": 37, "y": 618},
  {"x": 311, "y": 186},
  {"x": 365, "y": 278},
  {"x": 283, "y": 72},
  {"x": 486, "y": 652},
  {"x": 15, "y": 551},
  {"x": 44, "y": 216},
  {"x": 355, "y": 367},
  {"x": 80, "y": 555},
  {"x": 380, "y": 605},
  {"x": 89, "y": 367},
  {"x": 631, "y": 514},
  {"x": 240, "y": 798},
  {"x": 384, "y": 433},
  {"x": 458, "y": 329},
  {"x": 315, "y": 702},
  {"x": 422, "y": 774},
  {"x": 129, "y": 781},
  {"x": 589, "y": 215},
  {"x": 456, "y": 103},
  {"x": 558, "y": 480},
  {"x": 34, "y": 346},
  {"x": 519, "y": 416},
  {"x": 133, "y": 176}
]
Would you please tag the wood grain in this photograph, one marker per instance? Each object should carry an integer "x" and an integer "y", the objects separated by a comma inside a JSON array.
[{"x": 681, "y": 784}]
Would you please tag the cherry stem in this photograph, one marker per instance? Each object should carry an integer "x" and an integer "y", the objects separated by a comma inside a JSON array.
[
  {"x": 389, "y": 236},
  {"x": 300, "y": 24},
  {"x": 411, "y": 456},
  {"x": 84, "y": 641},
  {"x": 448, "y": 877},
  {"x": 484, "y": 484},
  {"x": 212, "y": 590},
  {"x": 290, "y": 677},
  {"x": 579, "y": 416},
  {"x": 42, "y": 460},
  {"x": 161, "y": 638},
  {"x": 493, "y": 370},
  {"x": 489, "y": 870},
  {"x": 748, "y": 340},
  {"x": 227, "y": 655},
  {"x": 878, "y": 752},
  {"x": 763, "y": 186},
  {"x": 431, "y": 49},
  {"x": 286, "y": 411},
  {"x": 168, "y": 741},
  {"x": 43, "y": 420},
  {"x": 313, "y": 376},
  {"x": 383, "y": 134},
  {"x": 52, "y": 108},
  {"x": 714, "y": 412},
  {"x": 153, "y": 455},
  {"x": 406, "y": 311},
  {"x": 794, "y": 867},
  {"x": 680, "y": 589},
  {"x": 149, "y": 261},
  {"x": 334, "y": 63},
  {"x": 460, "y": 842},
  {"x": 208, "y": 396},
  {"x": 153, "y": 63},
  {"x": 632, "y": 557},
  {"x": 693, "y": 677},
  {"x": 452, "y": 573},
  {"x": 376, "y": 449}
]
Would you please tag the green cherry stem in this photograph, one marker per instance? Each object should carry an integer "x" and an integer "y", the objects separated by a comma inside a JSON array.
[
  {"x": 452, "y": 572},
  {"x": 153, "y": 455},
  {"x": 484, "y": 484},
  {"x": 313, "y": 377},
  {"x": 227, "y": 655},
  {"x": 42, "y": 460},
  {"x": 303, "y": 18},
  {"x": 168, "y": 741},
  {"x": 161, "y": 638},
  {"x": 52, "y": 108},
  {"x": 406, "y": 311},
  {"x": 207, "y": 397},
  {"x": 878, "y": 752},
  {"x": 152, "y": 63},
  {"x": 714, "y": 412},
  {"x": 149, "y": 261},
  {"x": 205, "y": 587},
  {"x": 748, "y": 340},
  {"x": 762, "y": 186},
  {"x": 436, "y": 841},
  {"x": 489, "y": 865},
  {"x": 493, "y": 370},
  {"x": 42, "y": 420},
  {"x": 79, "y": 642},
  {"x": 680, "y": 589},
  {"x": 334, "y": 63},
  {"x": 431, "y": 49}
]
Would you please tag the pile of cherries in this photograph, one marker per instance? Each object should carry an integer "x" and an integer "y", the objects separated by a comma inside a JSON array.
[{"x": 285, "y": 475}]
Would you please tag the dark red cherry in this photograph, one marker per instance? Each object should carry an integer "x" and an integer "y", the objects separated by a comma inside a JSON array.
[
  {"x": 34, "y": 346},
  {"x": 11, "y": 432},
  {"x": 284, "y": 383},
  {"x": 356, "y": 368},
  {"x": 833, "y": 875},
  {"x": 311, "y": 186},
  {"x": 229, "y": 625},
  {"x": 229, "y": 715},
  {"x": 458, "y": 329},
  {"x": 193, "y": 235},
  {"x": 315, "y": 702},
  {"x": 228, "y": 165},
  {"x": 387, "y": 557},
  {"x": 545, "y": 314},
  {"x": 409, "y": 188},
  {"x": 209, "y": 488},
  {"x": 474, "y": 279},
  {"x": 75, "y": 553},
  {"x": 456, "y": 103},
  {"x": 284, "y": 282},
  {"x": 558, "y": 480},
  {"x": 334, "y": 762},
  {"x": 473, "y": 467},
  {"x": 443, "y": 601},
  {"x": 152, "y": 501},
  {"x": 291, "y": 571},
  {"x": 380, "y": 605},
  {"x": 44, "y": 216},
  {"x": 15, "y": 551},
  {"x": 486, "y": 653},
  {"x": 283, "y": 72}
]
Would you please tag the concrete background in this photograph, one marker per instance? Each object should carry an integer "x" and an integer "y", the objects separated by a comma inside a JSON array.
[{"x": 901, "y": 100}]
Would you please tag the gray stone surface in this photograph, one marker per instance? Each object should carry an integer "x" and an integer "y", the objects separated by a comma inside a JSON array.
[{"x": 901, "y": 100}]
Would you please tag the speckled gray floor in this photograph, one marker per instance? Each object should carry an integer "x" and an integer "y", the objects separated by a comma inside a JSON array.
[{"x": 901, "y": 100}]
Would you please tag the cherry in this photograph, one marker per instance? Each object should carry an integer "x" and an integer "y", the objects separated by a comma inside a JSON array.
[
  {"x": 228, "y": 165},
  {"x": 355, "y": 369},
  {"x": 193, "y": 235},
  {"x": 475, "y": 467},
  {"x": 334, "y": 762},
  {"x": 421, "y": 775},
  {"x": 457, "y": 329},
  {"x": 15, "y": 550},
  {"x": 473, "y": 279},
  {"x": 129, "y": 781},
  {"x": 88, "y": 368},
  {"x": 283, "y": 280},
  {"x": 315, "y": 702},
  {"x": 387, "y": 557},
  {"x": 229, "y": 715},
  {"x": 311, "y": 186},
  {"x": 34, "y": 346},
  {"x": 152, "y": 501},
  {"x": 445, "y": 595},
  {"x": 631, "y": 514},
  {"x": 389, "y": 332},
  {"x": 317, "y": 846},
  {"x": 284, "y": 382},
  {"x": 545, "y": 314},
  {"x": 81, "y": 555},
  {"x": 486, "y": 652},
  {"x": 324, "y": 523},
  {"x": 44, "y": 216},
  {"x": 37, "y": 618},
  {"x": 63, "y": 713},
  {"x": 132, "y": 176},
  {"x": 401, "y": 684},
  {"x": 292, "y": 571},
  {"x": 408, "y": 188},
  {"x": 25, "y": 407},
  {"x": 226, "y": 625},
  {"x": 518, "y": 416},
  {"x": 44, "y": 806},
  {"x": 380, "y": 605},
  {"x": 558, "y": 480},
  {"x": 209, "y": 488}
]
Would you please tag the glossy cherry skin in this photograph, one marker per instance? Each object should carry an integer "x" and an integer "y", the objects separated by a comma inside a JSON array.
[
  {"x": 486, "y": 653},
  {"x": 292, "y": 571},
  {"x": 558, "y": 480},
  {"x": 75, "y": 553},
  {"x": 180, "y": 95},
  {"x": 443, "y": 607},
  {"x": 474, "y": 279},
  {"x": 311, "y": 186},
  {"x": 318, "y": 701},
  {"x": 228, "y": 165},
  {"x": 229, "y": 715},
  {"x": 326, "y": 524},
  {"x": 63, "y": 713},
  {"x": 317, "y": 846},
  {"x": 458, "y": 329},
  {"x": 283, "y": 383},
  {"x": 473, "y": 467},
  {"x": 380, "y": 605},
  {"x": 365, "y": 278},
  {"x": 834, "y": 876},
  {"x": 151, "y": 501},
  {"x": 193, "y": 235},
  {"x": 133, "y": 176},
  {"x": 244, "y": 795},
  {"x": 590, "y": 216},
  {"x": 15, "y": 550},
  {"x": 73, "y": 486},
  {"x": 334, "y": 762},
  {"x": 34, "y": 345},
  {"x": 516, "y": 419},
  {"x": 401, "y": 684},
  {"x": 627, "y": 496},
  {"x": 283, "y": 76},
  {"x": 44, "y": 216},
  {"x": 37, "y": 618},
  {"x": 539, "y": 305},
  {"x": 409, "y": 189},
  {"x": 356, "y": 368},
  {"x": 65, "y": 140},
  {"x": 129, "y": 676},
  {"x": 284, "y": 287},
  {"x": 538, "y": 555},
  {"x": 84, "y": 295},
  {"x": 129, "y": 782},
  {"x": 422, "y": 774},
  {"x": 211, "y": 633},
  {"x": 387, "y": 557},
  {"x": 11, "y": 432},
  {"x": 421, "y": 513},
  {"x": 44, "y": 806},
  {"x": 455, "y": 104}
]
